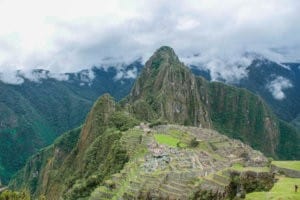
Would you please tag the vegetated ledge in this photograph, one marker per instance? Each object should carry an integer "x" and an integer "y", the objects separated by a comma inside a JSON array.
[
  {"x": 288, "y": 168},
  {"x": 286, "y": 177}
]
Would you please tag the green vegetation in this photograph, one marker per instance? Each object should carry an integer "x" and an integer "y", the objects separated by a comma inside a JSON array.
[
  {"x": 284, "y": 188},
  {"x": 194, "y": 143},
  {"x": 12, "y": 195},
  {"x": 77, "y": 163},
  {"x": 173, "y": 138},
  {"x": 294, "y": 165},
  {"x": 33, "y": 114},
  {"x": 167, "y": 140},
  {"x": 106, "y": 150},
  {"x": 240, "y": 114},
  {"x": 289, "y": 138},
  {"x": 240, "y": 167},
  {"x": 157, "y": 123},
  {"x": 123, "y": 121}
]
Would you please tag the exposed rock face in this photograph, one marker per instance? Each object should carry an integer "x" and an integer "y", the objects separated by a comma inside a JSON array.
[{"x": 170, "y": 91}]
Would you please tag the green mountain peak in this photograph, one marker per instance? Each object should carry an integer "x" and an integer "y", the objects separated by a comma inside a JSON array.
[
  {"x": 167, "y": 91},
  {"x": 164, "y": 56}
]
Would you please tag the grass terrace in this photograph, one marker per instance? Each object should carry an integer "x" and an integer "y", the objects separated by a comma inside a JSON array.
[
  {"x": 294, "y": 165},
  {"x": 240, "y": 167},
  {"x": 284, "y": 189},
  {"x": 167, "y": 140}
]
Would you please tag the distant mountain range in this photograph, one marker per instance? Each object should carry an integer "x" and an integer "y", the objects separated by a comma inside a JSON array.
[{"x": 37, "y": 111}]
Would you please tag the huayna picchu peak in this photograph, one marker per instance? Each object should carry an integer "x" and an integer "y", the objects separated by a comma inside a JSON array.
[
  {"x": 169, "y": 91},
  {"x": 175, "y": 136}
]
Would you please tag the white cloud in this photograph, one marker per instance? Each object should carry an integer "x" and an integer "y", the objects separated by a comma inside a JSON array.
[
  {"x": 11, "y": 77},
  {"x": 230, "y": 69},
  {"x": 86, "y": 76},
  {"x": 37, "y": 75},
  {"x": 67, "y": 36},
  {"x": 126, "y": 74},
  {"x": 59, "y": 76},
  {"x": 277, "y": 86}
]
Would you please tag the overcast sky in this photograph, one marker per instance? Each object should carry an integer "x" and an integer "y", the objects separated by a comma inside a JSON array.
[{"x": 66, "y": 36}]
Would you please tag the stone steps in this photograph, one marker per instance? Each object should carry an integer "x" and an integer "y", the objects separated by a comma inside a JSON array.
[
  {"x": 221, "y": 179},
  {"x": 211, "y": 185},
  {"x": 172, "y": 188},
  {"x": 116, "y": 177},
  {"x": 149, "y": 183},
  {"x": 174, "y": 195},
  {"x": 176, "y": 190},
  {"x": 147, "y": 139},
  {"x": 135, "y": 183},
  {"x": 128, "y": 196},
  {"x": 184, "y": 165},
  {"x": 104, "y": 193},
  {"x": 216, "y": 183},
  {"x": 133, "y": 190},
  {"x": 179, "y": 185}
]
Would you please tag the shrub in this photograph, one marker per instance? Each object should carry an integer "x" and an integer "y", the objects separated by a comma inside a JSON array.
[
  {"x": 123, "y": 121},
  {"x": 194, "y": 143}
]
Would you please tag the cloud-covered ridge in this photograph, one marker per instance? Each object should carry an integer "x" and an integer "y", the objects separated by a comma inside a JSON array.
[{"x": 277, "y": 87}]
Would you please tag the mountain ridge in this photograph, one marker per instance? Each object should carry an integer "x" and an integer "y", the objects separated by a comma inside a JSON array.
[
  {"x": 34, "y": 113},
  {"x": 194, "y": 101},
  {"x": 108, "y": 139}
]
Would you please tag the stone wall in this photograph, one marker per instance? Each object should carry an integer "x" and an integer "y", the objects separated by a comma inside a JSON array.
[{"x": 288, "y": 172}]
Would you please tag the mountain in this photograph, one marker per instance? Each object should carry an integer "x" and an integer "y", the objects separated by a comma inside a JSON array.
[
  {"x": 167, "y": 91},
  {"x": 277, "y": 83},
  {"x": 36, "y": 112},
  {"x": 110, "y": 156}
]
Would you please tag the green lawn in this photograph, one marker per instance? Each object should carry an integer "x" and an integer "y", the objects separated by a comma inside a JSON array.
[
  {"x": 240, "y": 167},
  {"x": 167, "y": 140},
  {"x": 282, "y": 190},
  {"x": 295, "y": 165}
]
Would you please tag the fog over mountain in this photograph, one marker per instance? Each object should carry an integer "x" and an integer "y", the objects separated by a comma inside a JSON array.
[{"x": 68, "y": 36}]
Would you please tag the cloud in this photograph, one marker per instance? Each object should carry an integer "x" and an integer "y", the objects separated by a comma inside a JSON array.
[
  {"x": 277, "y": 86},
  {"x": 68, "y": 36},
  {"x": 86, "y": 76},
  {"x": 36, "y": 75},
  {"x": 11, "y": 77},
  {"x": 222, "y": 69},
  {"x": 126, "y": 74}
]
